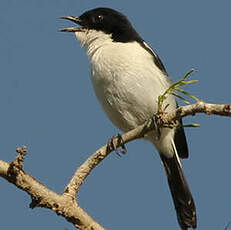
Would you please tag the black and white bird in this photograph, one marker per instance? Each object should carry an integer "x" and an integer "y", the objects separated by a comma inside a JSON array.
[{"x": 128, "y": 76}]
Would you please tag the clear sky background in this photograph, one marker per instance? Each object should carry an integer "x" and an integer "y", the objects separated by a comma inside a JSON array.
[{"x": 47, "y": 103}]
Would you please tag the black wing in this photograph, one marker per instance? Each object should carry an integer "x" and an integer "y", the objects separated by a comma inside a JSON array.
[
  {"x": 156, "y": 58},
  {"x": 179, "y": 139}
]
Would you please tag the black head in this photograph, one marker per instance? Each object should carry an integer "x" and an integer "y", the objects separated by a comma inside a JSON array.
[{"x": 110, "y": 22}]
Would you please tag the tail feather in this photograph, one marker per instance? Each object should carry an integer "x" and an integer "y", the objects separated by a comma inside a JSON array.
[{"x": 182, "y": 198}]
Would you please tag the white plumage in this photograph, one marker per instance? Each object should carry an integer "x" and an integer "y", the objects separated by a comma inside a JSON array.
[{"x": 127, "y": 83}]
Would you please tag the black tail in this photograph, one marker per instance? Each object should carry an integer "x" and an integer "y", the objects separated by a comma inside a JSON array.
[{"x": 182, "y": 198}]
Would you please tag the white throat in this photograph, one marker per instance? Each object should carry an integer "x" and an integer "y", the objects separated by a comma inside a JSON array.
[{"x": 93, "y": 40}]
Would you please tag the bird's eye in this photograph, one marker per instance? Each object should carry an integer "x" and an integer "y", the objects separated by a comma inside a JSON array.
[
  {"x": 100, "y": 17},
  {"x": 97, "y": 19}
]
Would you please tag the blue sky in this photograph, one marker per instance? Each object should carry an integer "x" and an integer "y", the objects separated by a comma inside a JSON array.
[{"x": 47, "y": 103}]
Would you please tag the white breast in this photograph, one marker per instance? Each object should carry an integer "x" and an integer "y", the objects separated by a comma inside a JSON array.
[{"x": 127, "y": 83}]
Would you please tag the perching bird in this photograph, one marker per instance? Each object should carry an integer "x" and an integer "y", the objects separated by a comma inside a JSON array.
[{"x": 128, "y": 77}]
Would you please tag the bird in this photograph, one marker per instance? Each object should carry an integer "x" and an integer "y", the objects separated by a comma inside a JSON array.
[{"x": 128, "y": 77}]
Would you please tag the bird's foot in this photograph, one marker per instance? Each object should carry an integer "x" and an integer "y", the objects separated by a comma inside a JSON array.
[
  {"x": 156, "y": 124},
  {"x": 114, "y": 142}
]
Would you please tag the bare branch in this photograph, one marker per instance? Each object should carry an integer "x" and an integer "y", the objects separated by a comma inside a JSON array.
[
  {"x": 63, "y": 205},
  {"x": 66, "y": 204},
  {"x": 84, "y": 170},
  {"x": 199, "y": 107},
  {"x": 167, "y": 118}
]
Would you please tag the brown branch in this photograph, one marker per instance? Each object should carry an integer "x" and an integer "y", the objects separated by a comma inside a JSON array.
[
  {"x": 63, "y": 205},
  {"x": 199, "y": 107},
  {"x": 84, "y": 170},
  {"x": 66, "y": 204}
]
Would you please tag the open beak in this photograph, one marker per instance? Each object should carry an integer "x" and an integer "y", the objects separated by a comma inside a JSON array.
[{"x": 72, "y": 29}]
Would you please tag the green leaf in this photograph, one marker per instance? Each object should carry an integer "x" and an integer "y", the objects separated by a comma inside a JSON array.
[
  {"x": 194, "y": 125},
  {"x": 175, "y": 87},
  {"x": 187, "y": 94},
  {"x": 188, "y": 73},
  {"x": 182, "y": 98},
  {"x": 166, "y": 106},
  {"x": 190, "y": 82}
]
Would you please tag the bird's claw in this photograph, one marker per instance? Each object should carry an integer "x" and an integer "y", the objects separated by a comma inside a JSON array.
[
  {"x": 111, "y": 145},
  {"x": 155, "y": 120}
]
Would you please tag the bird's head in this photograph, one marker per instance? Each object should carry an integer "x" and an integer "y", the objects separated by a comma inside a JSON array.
[{"x": 102, "y": 21}]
